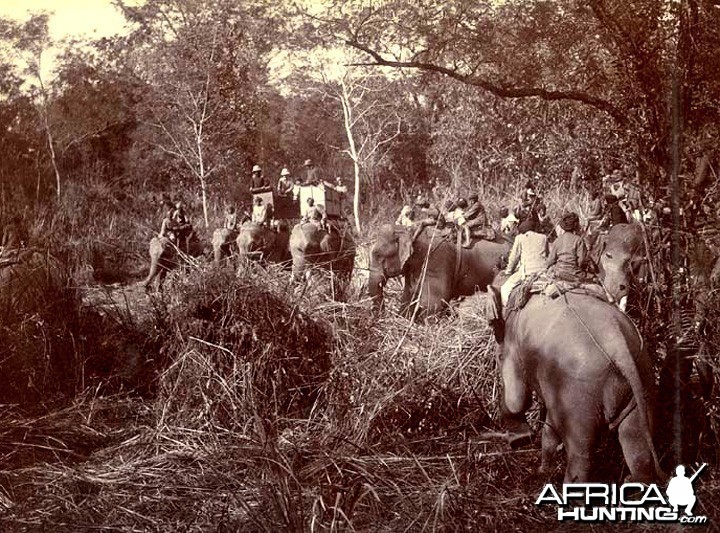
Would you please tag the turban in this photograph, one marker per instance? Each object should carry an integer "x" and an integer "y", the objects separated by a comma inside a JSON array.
[{"x": 527, "y": 225}]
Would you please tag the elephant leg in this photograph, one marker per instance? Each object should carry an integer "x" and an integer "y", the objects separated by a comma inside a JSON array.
[
  {"x": 550, "y": 442},
  {"x": 580, "y": 442},
  {"x": 162, "y": 273},
  {"x": 154, "y": 269},
  {"x": 636, "y": 451},
  {"x": 218, "y": 249},
  {"x": 434, "y": 295},
  {"x": 299, "y": 267},
  {"x": 516, "y": 388},
  {"x": 516, "y": 399}
]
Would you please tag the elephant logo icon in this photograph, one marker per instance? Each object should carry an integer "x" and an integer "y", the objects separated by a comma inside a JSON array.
[{"x": 680, "y": 491}]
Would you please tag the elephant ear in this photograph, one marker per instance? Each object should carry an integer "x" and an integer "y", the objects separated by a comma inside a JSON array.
[{"x": 405, "y": 248}]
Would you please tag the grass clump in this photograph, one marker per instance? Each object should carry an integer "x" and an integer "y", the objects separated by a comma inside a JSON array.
[{"x": 236, "y": 349}]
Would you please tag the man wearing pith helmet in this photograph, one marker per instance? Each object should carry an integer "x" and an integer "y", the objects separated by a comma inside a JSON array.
[
  {"x": 285, "y": 183},
  {"x": 311, "y": 177},
  {"x": 257, "y": 180}
]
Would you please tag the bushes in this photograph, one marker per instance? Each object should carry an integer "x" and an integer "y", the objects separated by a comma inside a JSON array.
[
  {"x": 38, "y": 316},
  {"x": 236, "y": 349}
]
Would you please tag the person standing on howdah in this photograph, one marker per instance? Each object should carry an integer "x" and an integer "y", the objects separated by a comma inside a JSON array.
[
  {"x": 312, "y": 177},
  {"x": 257, "y": 180},
  {"x": 285, "y": 184}
]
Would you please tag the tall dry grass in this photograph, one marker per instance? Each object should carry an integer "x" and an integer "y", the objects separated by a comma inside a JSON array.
[{"x": 268, "y": 406}]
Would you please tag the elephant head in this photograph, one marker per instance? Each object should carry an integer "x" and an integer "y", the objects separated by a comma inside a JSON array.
[
  {"x": 256, "y": 241},
  {"x": 222, "y": 241},
  {"x": 429, "y": 263},
  {"x": 333, "y": 251},
  {"x": 388, "y": 258},
  {"x": 164, "y": 256},
  {"x": 622, "y": 260}
]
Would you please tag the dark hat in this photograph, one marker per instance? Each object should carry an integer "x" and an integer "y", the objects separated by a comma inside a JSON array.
[
  {"x": 527, "y": 225},
  {"x": 570, "y": 222},
  {"x": 462, "y": 203},
  {"x": 474, "y": 197},
  {"x": 504, "y": 211}
]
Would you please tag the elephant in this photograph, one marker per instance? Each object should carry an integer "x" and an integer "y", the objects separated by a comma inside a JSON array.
[
  {"x": 433, "y": 276},
  {"x": 585, "y": 359},
  {"x": 223, "y": 240},
  {"x": 333, "y": 250},
  {"x": 164, "y": 256},
  {"x": 264, "y": 243},
  {"x": 621, "y": 259}
]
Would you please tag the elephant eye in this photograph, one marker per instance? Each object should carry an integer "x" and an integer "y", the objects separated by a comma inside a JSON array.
[{"x": 608, "y": 255}]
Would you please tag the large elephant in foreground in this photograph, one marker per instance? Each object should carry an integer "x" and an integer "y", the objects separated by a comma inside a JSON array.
[
  {"x": 257, "y": 241},
  {"x": 429, "y": 263},
  {"x": 585, "y": 360},
  {"x": 312, "y": 246},
  {"x": 164, "y": 256}
]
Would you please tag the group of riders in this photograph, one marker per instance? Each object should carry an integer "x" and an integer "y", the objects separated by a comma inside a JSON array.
[
  {"x": 176, "y": 226},
  {"x": 538, "y": 245}
]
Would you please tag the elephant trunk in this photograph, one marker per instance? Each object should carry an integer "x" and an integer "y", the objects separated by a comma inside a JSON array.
[{"x": 376, "y": 284}]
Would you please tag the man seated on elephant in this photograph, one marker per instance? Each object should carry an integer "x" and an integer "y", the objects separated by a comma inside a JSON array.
[
  {"x": 614, "y": 213},
  {"x": 406, "y": 217},
  {"x": 475, "y": 217},
  {"x": 260, "y": 213},
  {"x": 426, "y": 215},
  {"x": 168, "y": 227},
  {"x": 230, "y": 218},
  {"x": 528, "y": 256},
  {"x": 315, "y": 215},
  {"x": 543, "y": 222},
  {"x": 285, "y": 184},
  {"x": 257, "y": 180},
  {"x": 508, "y": 222},
  {"x": 568, "y": 253},
  {"x": 183, "y": 228}
]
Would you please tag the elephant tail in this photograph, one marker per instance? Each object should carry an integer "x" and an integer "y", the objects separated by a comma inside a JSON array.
[{"x": 624, "y": 363}]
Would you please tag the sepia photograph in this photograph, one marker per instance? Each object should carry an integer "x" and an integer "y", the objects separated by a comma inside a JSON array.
[{"x": 359, "y": 265}]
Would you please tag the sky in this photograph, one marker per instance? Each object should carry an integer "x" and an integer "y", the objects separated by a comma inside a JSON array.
[{"x": 71, "y": 18}]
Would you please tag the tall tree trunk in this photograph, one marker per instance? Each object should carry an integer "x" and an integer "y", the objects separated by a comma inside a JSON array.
[
  {"x": 48, "y": 133},
  {"x": 352, "y": 151}
]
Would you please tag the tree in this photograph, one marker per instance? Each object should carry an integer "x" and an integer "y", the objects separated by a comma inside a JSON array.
[
  {"x": 201, "y": 66},
  {"x": 30, "y": 42},
  {"x": 370, "y": 122}
]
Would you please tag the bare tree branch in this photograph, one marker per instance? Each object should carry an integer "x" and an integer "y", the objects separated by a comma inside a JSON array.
[{"x": 498, "y": 90}]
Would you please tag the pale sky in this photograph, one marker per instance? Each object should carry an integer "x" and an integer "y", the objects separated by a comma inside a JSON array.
[{"x": 72, "y": 18}]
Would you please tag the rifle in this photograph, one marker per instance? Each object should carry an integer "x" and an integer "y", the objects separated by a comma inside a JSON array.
[{"x": 697, "y": 472}]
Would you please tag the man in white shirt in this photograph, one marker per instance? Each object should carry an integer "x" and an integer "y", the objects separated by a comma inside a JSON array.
[{"x": 528, "y": 255}]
